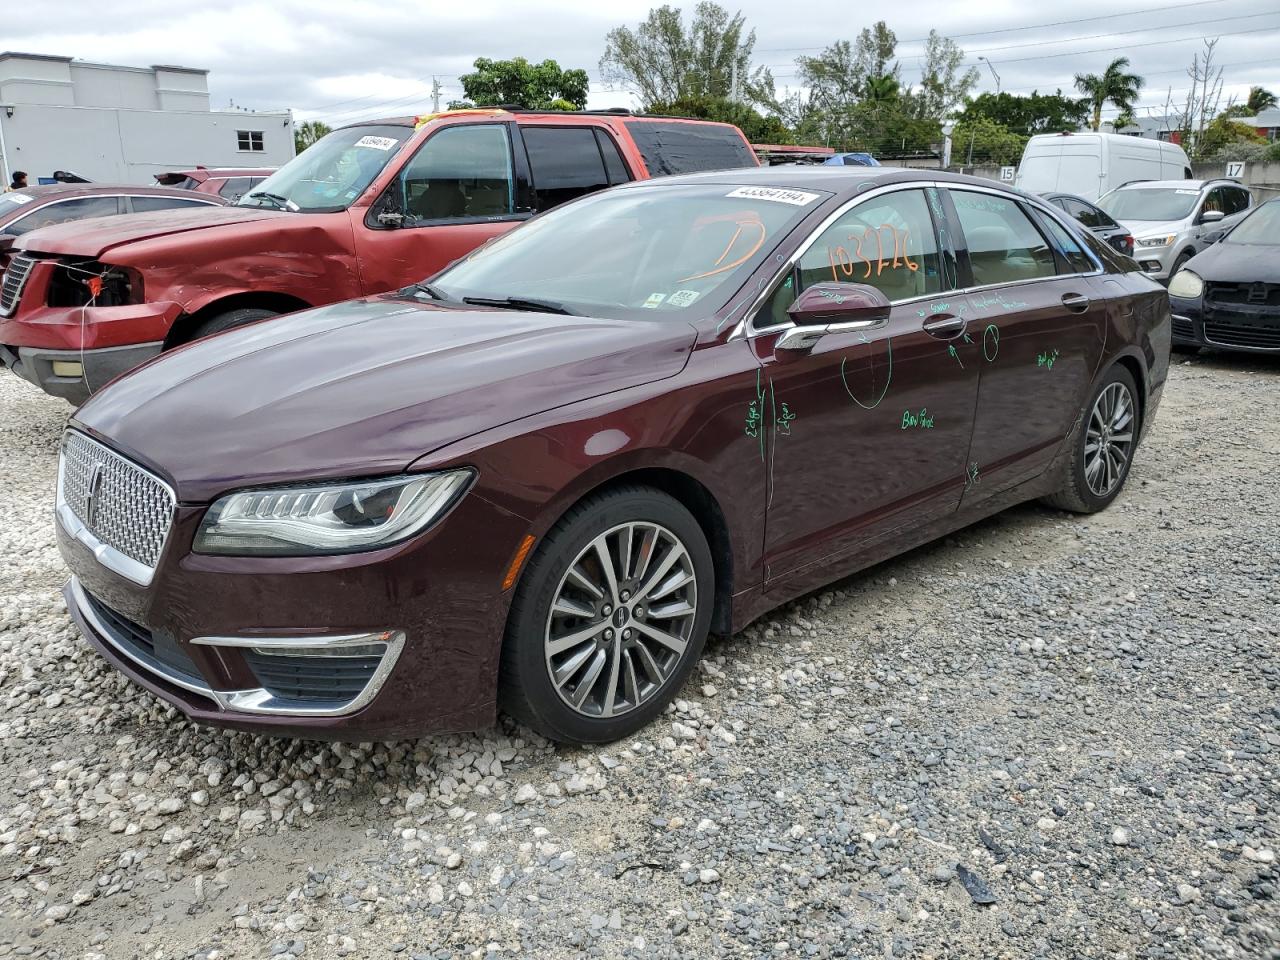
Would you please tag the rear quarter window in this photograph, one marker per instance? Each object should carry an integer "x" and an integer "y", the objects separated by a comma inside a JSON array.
[{"x": 670, "y": 147}]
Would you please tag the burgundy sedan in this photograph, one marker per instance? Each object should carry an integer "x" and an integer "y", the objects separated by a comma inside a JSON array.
[
  {"x": 537, "y": 482},
  {"x": 22, "y": 211}
]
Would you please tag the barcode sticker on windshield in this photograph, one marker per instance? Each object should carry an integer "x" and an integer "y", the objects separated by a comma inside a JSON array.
[
  {"x": 797, "y": 198},
  {"x": 17, "y": 198},
  {"x": 378, "y": 143}
]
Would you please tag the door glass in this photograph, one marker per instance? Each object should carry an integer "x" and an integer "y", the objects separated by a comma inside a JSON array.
[
  {"x": 886, "y": 242},
  {"x": 63, "y": 212},
  {"x": 235, "y": 188},
  {"x": 1216, "y": 200},
  {"x": 1084, "y": 213},
  {"x": 1077, "y": 259},
  {"x": 461, "y": 172},
  {"x": 613, "y": 164},
  {"x": 149, "y": 204},
  {"x": 565, "y": 163},
  {"x": 1004, "y": 246},
  {"x": 1237, "y": 200}
]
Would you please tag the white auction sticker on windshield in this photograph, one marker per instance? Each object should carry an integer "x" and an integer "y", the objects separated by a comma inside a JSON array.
[
  {"x": 1191, "y": 193},
  {"x": 378, "y": 143},
  {"x": 797, "y": 198},
  {"x": 17, "y": 198},
  {"x": 682, "y": 298}
]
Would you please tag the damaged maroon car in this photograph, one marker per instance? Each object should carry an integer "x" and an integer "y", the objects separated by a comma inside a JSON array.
[
  {"x": 366, "y": 209},
  {"x": 540, "y": 479}
]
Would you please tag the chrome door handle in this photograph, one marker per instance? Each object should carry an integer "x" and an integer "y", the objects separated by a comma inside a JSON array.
[
  {"x": 1076, "y": 302},
  {"x": 945, "y": 327}
]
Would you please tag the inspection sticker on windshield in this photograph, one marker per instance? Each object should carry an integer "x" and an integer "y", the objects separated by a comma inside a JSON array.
[
  {"x": 1192, "y": 193},
  {"x": 378, "y": 143},
  {"x": 797, "y": 198},
  {"x": 682, "y": 298},
  {"x": 654, "y": 300},
  {"x": 17, "y": 198}
]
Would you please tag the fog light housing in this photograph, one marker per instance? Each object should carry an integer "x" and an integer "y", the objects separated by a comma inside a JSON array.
[
  {"x": 68, "y": 368},
  {"x": 323, "y": 676}
]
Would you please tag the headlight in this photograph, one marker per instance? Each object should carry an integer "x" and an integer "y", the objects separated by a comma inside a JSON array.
[
  {"x": 1186, "y": 285},
  {"x": 328, "y": 518},
  {"x": 1156, "y": 241}
]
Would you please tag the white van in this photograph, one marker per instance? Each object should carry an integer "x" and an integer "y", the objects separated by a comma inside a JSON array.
[{"x": 1091, "y": 164}]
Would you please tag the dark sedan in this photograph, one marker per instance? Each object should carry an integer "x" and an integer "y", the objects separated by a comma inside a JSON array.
[
  {"x": 539, "y": 480},
  {"x": 1228, "y": 296},
  {"x": 22, "y": 211},
  {"x": 1094, "y": 218}
]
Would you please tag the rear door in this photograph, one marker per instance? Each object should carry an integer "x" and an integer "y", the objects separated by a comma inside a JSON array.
[
  {"x": 458, "y": 190},
  {"x": 1037, "y": 330}
]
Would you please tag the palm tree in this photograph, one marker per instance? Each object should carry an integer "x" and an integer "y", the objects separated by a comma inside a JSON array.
[
  {"x": 1260, "y": 99},
  {"x": 882, "y": 89},
  {"x": 1114, "y": 85}
]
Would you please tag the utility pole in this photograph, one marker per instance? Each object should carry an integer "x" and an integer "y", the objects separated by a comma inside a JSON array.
[
  {"x": 992, "y": 67},
  {"x": 435, "y": 95}
]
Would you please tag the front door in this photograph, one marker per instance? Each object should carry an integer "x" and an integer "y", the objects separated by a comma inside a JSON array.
[
  {"x": 1037, "y": 326},
  {"x": 455, "y": 193},
  {"x": 869, "y": 430}
]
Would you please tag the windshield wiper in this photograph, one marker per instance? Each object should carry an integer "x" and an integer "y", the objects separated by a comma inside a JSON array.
[
  {"x": 435, "y": 293},
  {"x": 283, "y": 203},
  {"x": 520, "y": 303}
]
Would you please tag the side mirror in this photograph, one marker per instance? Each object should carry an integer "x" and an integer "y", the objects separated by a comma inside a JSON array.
[
  {"x": 1214, "y": 236},
  {"x": 833, "y": 308},
  {"x": 1211, "y": 216}
]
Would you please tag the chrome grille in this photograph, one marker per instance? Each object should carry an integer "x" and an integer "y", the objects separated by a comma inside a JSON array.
[
  {"x": 119, "y": 503},
  {"x": 15, "y": 278}
]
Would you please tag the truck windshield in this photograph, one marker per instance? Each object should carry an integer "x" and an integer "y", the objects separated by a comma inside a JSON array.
[
  {"x": 635, "y": 252},
  {"x": 332, "y": 172},
  {"x": 1150, "y": 203}
]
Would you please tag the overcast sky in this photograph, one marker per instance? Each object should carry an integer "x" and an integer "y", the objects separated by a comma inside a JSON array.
[{"x": 343, "y": 61}]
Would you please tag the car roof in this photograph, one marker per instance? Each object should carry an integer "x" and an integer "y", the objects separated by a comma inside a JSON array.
[
  {"x": 835, "y": 179},
  {"x": 1175, "y": 184},
  {"x": 61, "y": 191}
]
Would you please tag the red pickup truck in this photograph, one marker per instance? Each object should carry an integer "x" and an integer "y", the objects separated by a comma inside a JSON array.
[{"x": 369, "y": 208}]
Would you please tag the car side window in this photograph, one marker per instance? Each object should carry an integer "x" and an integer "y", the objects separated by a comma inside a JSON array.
[
  {"x": 614, "y": 165},
  {"x": 1077, "y": 260},
  {"x": 150, "y": 204},
  {"x": 1237, "y": 200},
  {"x": 461, "y": 172},
  {"x": 1084, "y": 213},
  {"x": 64, "y": 212},
  {"x": 1004, "y": 245},
  {"x": 235, "y": 187},
  {"x": 565, "y": 163},
  {"x": 1215, "y": 199}
]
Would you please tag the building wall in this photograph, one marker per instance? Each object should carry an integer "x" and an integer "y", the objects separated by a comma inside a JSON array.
[{"x": 129, "y": 146}]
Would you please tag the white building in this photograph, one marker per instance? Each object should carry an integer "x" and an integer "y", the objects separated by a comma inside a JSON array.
[{"x": 123, "y": 124}]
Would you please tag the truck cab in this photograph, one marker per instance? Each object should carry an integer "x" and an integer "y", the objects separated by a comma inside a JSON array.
[{"x": 369, "y": 208}]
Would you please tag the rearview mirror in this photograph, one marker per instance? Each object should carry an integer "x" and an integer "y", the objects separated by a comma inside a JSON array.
[
  {"x": 1211, "y": 216},
  {"x": 833, "y": 308}
]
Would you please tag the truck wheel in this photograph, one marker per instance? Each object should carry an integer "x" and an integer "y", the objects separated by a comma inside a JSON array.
[{"x": 230, "y": 320}]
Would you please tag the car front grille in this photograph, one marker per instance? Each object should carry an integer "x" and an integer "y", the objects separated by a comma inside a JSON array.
[
  {"x": 1251, "y": 294},
  {"x": 15, "y": 278},
  {"x": 119, "y": 503},
  {"x": 1229, "y": 331},
  {"x": 305, "y": 678}
]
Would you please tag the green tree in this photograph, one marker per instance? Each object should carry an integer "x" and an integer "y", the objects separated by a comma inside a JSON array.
[
  {"x": 1224, "y": 132},
  {"x": 944, "y": 83},
  {"x": 984, "y": 141},
  {"x": 535, "y": 86},
  {"x": 1260, "y": 98},
  {"x": 756, "y": 126},
  {"x": 1112, "y": 85},
  {"x": 665, "y": 61},
  {"x": 1028, "y": 115},
  {"x": 307, "y": 133}
]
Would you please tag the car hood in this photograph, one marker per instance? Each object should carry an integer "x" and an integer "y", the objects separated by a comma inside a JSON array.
[
  {"x": 1237, "y": 263},
  {"x": 94, "y": 237},
  {"x": 363, "y": 388},
  {"x": 1153, "y": 228}
]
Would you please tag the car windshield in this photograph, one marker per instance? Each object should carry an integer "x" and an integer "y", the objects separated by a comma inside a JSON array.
[
  {"x": 1150, "y": 203},
  {"x": 634, "y": 252},
  {"x": 1261, "y": 227},
  {"x": 332, "y": 172}
]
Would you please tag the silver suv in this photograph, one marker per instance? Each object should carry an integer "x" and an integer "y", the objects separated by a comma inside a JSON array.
[{"x": 1173, "y": 220}]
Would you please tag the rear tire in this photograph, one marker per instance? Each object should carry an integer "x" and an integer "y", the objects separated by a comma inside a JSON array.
[
  {"x": 592, "y": 655},
  {"x": 230, "y": 320},
  {"x": 1103, "y": 447}
]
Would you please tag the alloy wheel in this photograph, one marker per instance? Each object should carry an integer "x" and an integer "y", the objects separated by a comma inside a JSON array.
[
  {"x": 1109, "y": 440},
  {"x": 621, "y": 619}
]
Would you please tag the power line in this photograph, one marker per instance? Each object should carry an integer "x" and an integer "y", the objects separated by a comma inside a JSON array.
[{"x": 1030, "y": 26}]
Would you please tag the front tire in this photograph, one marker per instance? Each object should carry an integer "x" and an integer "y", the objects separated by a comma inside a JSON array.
[
  {"x": 1103, "y": 447},
  {"x": 609, "y": 619},
  {"x": 230, "y": 320}
]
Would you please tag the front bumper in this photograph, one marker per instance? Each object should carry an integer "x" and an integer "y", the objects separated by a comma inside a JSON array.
[
  {"x": 189, "y": 636},
  {"x": 1156, "y": 262},
  {"x": 1237, "y": 327},
  {"x": 96, "y": 368}
]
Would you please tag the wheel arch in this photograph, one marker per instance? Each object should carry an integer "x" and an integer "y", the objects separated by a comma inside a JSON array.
[{"x": 187, "y": 323}]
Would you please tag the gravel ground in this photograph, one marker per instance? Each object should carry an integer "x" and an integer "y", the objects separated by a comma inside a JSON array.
[{"x": 1074, "y": 719}]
